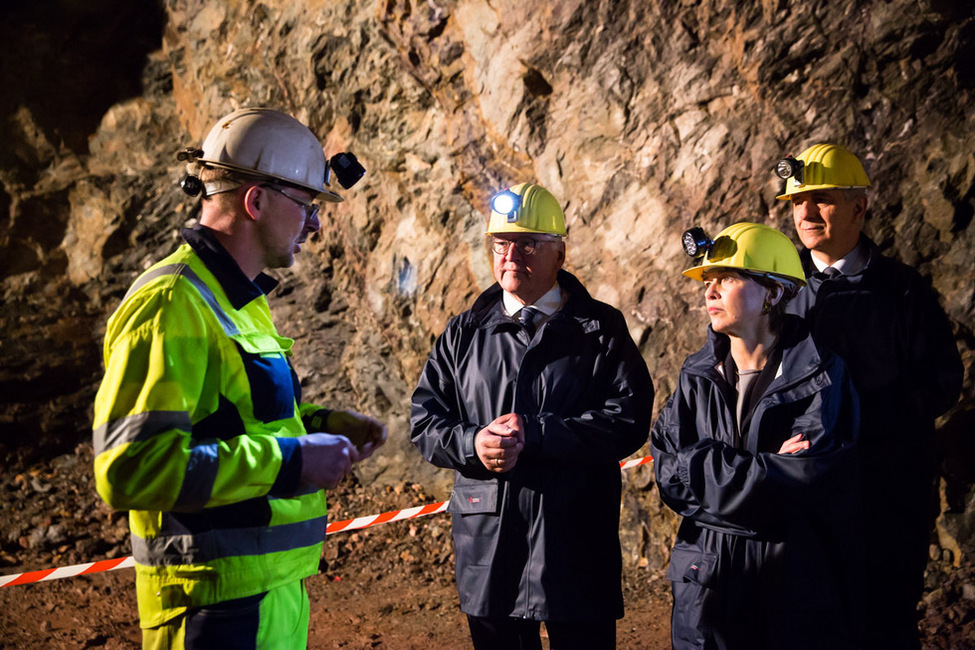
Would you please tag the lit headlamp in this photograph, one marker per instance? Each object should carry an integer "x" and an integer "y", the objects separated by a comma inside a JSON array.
[
  {"x": 789, "y": 167},
  {"x": 696, "y": 242},
  {"x": 507, "y": 203}
]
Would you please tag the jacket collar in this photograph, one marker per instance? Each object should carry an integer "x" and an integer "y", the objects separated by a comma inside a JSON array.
[
  {"x": 238, "y": 287},
  {"x": 488, "y": 311},
  {"x": 872, "y": 253},
  {"x": 799, "y": 354}
]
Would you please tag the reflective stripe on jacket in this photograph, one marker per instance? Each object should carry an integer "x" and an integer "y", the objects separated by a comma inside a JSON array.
[
  {"x": 542, "y": 540},
  {"x": 194, "y": 434}
]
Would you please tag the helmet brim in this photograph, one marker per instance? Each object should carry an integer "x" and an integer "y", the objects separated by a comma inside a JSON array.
[
  {"x": 812, "y": 188},
  {"x": 697, "y": 273}
]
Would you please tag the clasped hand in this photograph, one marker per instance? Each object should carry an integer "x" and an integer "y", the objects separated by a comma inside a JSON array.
[{"x": 499, "y": 444}]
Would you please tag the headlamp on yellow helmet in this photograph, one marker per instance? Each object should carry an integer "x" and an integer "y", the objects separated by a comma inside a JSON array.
[
  {"x": 507, "y": 203},
  {"x": 696, "y": 242},
  {"x": 750, "y": 248},
  {"x": 788, "y": 168},
  {"x": 526, "y": 208},
  {"x": 821, "y": 167}
]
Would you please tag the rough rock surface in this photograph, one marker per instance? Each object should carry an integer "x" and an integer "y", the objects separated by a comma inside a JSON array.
[{"x": 644, "y": 118}]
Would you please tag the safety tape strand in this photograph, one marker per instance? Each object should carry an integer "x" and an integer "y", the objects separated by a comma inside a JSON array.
[{"x": 332, "y": 528}]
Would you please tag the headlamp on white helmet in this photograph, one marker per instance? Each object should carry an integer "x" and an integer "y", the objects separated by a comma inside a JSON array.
[{"x": 347, "y": 169}]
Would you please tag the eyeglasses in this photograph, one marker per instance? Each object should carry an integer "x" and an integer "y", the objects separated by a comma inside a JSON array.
[
  {"x": 524, "y": 245},
  {"x": 310, "y": 207}
]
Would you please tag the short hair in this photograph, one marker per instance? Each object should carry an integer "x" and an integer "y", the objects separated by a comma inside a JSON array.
[{"x": 208, "y": 174}]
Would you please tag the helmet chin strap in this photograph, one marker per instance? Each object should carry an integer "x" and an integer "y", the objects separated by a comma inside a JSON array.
[
  {"x": 219, "y": 186},
  {"x": 193, "y": 186}
]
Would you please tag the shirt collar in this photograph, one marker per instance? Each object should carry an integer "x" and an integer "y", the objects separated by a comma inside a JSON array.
[
  {"x": 238, "y": 287},
  {"x": 850, "y": 264},
  {"x": 548, "y": 304}
]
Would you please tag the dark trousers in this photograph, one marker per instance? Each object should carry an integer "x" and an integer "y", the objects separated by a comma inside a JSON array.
[
  {"x": 897, "y": 528},
  {"x": 521, "y": 634}
]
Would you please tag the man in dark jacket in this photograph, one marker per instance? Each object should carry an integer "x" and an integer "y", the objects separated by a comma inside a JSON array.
[
  {"x": 533, "y": 396},
  {"x": 885, "y": 321}
]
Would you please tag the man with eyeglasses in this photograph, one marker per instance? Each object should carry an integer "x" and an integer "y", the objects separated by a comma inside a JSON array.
[
  {"x": 532, "y": 397},
  {"x": 199, "y": 429}
]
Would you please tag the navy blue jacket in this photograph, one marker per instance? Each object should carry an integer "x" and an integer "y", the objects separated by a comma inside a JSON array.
[
  {"x": 887, "y": 325},
  {"x": 541, "y": 541},
  {"x": 761, "y": 556}
]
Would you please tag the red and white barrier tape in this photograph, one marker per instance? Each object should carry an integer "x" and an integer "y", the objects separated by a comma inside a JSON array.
[
  {"x": 395, "y": 515},
  {"x": 630, "y": 464},
  {"x": 336, "y": 527},
  {"x": 66, "y": 572}
]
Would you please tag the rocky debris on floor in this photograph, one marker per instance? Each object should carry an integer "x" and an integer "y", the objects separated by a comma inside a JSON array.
[{"x": 375, "y": 582}]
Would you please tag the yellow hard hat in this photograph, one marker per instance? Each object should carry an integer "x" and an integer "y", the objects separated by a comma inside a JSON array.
[
  {"x": 526, "y": 208},
  {"x": 749, "y": 247},
  {"x": 821, "y": 167}
]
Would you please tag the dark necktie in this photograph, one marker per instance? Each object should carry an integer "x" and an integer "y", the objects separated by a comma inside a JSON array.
[
  {"x": 829, "y": 273},
  {"x": 527, "y": 319}
]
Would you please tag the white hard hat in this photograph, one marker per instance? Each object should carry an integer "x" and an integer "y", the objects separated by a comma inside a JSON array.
[{"x": 269, "y": 143}]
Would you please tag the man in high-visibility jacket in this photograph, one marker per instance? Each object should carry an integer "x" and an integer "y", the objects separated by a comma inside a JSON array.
[{"x": 199, "y": 428}]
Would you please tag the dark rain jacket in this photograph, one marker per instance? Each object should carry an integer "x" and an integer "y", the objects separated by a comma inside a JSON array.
[
  {"x": 540, "y": 541},
  {"x": 762, "y": 556},
  {"x": 887, "y": 325}
]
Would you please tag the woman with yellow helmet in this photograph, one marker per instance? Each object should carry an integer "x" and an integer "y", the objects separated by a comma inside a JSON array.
[{"x": 754, "y": 451}]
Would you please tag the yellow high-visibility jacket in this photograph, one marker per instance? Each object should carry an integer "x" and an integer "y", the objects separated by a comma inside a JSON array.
[{"x": 195, "y": 433}]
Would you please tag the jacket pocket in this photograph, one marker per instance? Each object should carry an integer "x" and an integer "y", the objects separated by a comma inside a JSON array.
[
  {"x": 475, "y": 527},
  {"x": 479, "y": 498},
  {"x": 690, "y": 564},
  {"x": 272, "y": 387}
]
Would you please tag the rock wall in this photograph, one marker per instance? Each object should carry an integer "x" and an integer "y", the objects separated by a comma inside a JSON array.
[{"x": 643, "y": 117}]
